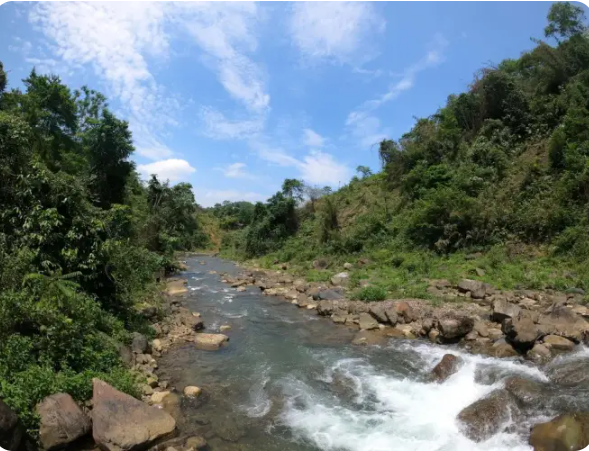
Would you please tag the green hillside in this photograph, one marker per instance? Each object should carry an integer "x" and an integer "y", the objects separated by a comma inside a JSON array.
[{"x": 496, "y": 180}]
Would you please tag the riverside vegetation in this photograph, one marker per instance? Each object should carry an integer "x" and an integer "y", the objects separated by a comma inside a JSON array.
[
  {"x": 82, "y": 241},
  {"x": 494, "y": 185}
]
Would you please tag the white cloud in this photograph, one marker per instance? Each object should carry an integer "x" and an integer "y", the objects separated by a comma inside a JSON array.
[
  {"x": 368, "y": 131},
  {"x": 312, "y": 138},
  {"x": 236, "y": 171},
  {"x": 336, "y": 31},
  {"x": 208, "y": 198},
  {"x": 20, "y": 46},
  {"x": 432, "y": 58},
  {"x": 217, "y": 126},
  {"x": 226, "y": 34},
  {"x": 172, "y": 169},
  {"x": 114, "y": 39},
  {"x": 318, "y": 168}
]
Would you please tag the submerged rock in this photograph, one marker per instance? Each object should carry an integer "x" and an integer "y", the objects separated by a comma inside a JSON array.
[
  {"x": 527, "y": 392},
  {"x": 486, "y": 417},
  {"x": 121, "y": 422},
  {"x": 568, "y": 432},
  {"x": 446, "y": 368},
  {"x": 572, "y": 373},
  {"x": 367, "y": 337}
]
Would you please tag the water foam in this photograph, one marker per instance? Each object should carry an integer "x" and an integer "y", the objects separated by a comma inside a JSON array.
[{"x": 393, "y": 412}]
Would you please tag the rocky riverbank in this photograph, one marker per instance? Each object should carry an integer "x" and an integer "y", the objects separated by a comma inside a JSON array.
[{"x": 113, "y": 420}]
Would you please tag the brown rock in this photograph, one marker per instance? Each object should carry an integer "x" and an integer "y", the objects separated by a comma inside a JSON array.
[
  {"x": 433, "y": 335},
  {"x": 62, "y": 421},
  {"x": 539, "y": 353},
  {"x": 176, "y": 286},
  {"x": 466, "y": 285},
  {"x": 568, "y": 432},
  {"x": 367, "y": 337},
  {"x": 486, "y": 417},
  {"x": 121, "y": 422},
  {"x": 377, "y": 310},
  {"x": 454, "y": 327},
  {"x": 558, "y": 343},
  {"x": 320, "y": 263},
  {"x": 527, "y": 392},
  {"x": 405, "y": 312},
  {"x": 481, "y": 328},
  {"x": 195, "y": 443},
  {"x": 367, "y": 322},
  {"x": 192, "y": 391},
  {"x": 446, "y": 368},
  {"x": 503, "y": 350},
  {"x": 521, "y": 332},
  {"x": 503, "y": 310},
  {"x": 210, "y": 342}
]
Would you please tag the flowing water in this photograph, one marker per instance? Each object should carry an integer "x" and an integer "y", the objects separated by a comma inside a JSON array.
[{"x": 290, "y": 380}]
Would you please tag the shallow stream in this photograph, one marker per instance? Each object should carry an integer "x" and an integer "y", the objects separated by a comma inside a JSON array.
[{"x": 290, "y": 380}]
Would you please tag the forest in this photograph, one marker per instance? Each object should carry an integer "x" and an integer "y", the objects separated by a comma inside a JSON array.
[
  {"x": 83, "y": 242},
  {"x": 497, "y": 179}
]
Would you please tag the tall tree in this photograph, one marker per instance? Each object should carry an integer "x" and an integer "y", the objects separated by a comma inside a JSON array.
[
  {"x": 564, "y": 20},
  {"x": 293, "y": 189}
]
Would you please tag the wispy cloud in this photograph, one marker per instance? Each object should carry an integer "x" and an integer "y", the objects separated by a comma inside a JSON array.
[
  {"x": 313, "y": 139},
  {"x": 217, "y": 126},
  {"x": 334, "y": 31},
  {"x": 173, "y": 170},
  {"x": 433, "y": 57},
  {"x": 114, "y": 39},
  {"x": 236, "y": 171},
  {"x": 317, "y": 168}
]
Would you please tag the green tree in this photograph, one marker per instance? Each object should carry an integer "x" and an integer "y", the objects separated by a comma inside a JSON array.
[
  {"x": 293, "y": 188},
  {"x": 564, "y": 20},
  {"x": 364, "y": 171}
]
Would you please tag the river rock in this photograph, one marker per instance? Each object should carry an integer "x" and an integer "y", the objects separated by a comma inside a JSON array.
[
  {"x": 485, "y": 417},
  {"x": 573, "y": 373},
  {"x": 176, "y": 286},
  {"x": 562, "y": 321},
  {"x": 368, "y": 337},
  {"x": 328, "y": 295},
  {"x": 367, "y": 322},
  {"x": 481, "y": 328},
  {"x": 466, "y": 285},
  {"x": 503, "y": 350},
  {"x": 300, "y": 285},
  {"x": 158, "y": 397},
  {"x": 121, "y": 422},
  {"x": 225, "y": 328},
  {"x": 503, "y": 310},
  {"x": 192, "y": 391},
  {"x": 210, "y": 342},
  {"x": 405, "y": 312},
  {"x": 61, "y": 421},
  {"x": 139, "y": 343},
  {"x": 433, "y": 335},
  {"x": 340, "y": 279},
  {"x": 12, "y": 431},
  {"x": 446, "y": 368},
  {"x": 454, "y": 327},
  {"x": 193, "y": 322},
  {"x": 156, "y": 345},
  {"x": 377, "y": 310},
  {"x": 539, "y": 353},
  {"x": 569, "y": 432},
  {"x": 527, "y": 392},
  {"x": 558, "y": 343},
  {"x": 521, "y": 331}
]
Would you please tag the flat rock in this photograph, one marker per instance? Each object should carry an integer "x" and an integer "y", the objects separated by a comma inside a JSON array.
[
  {"x": 368, "y": 337},
  {"x": 558, "y": 343},
  {"x": 328, "y": 295},
  {"x": 175, "y": 287},
  {"x": 503, "y": 310},
  {"x": 527, "y": 392},
  {"x": 121, "y": 422},
  {"x": 367, "y": 322},
  {"x": 210, "y": 342},
  {"x": 454, "y": 327},
  {"x": 61, "y": 421}
]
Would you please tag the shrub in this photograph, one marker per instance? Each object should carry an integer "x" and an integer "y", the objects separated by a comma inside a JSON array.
[{"x": 370, "y": 293}]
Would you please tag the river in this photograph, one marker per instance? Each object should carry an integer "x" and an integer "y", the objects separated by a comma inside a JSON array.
[{"x": 290, "y": 380}]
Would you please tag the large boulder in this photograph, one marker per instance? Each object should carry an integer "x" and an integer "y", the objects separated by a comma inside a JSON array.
[
  {"x": 446, "y": 368},
  {"x": 454, "y": 327},
  {"x": 527, "y": 392},
  {"x": 11, "y": 429},
  {"x": 210, "y": 342},
  {"x": 175, "y": 287},
  {"x": 405, "y": 312},
  {"x": 62, "y": 421},
  {"x": 565, "y": 323},
  {"x": 569, "y": 432},
  {"x": 558, "y": 343},
  {"x": 521, "y": 332},
  {"x": 193, "y": 322},
  {"x": 378, "y": 311},
  {"x": 487, "y": 416},
  {"x": 574, "y": 373},
  {"x": 468, "y": 285},
  {"x": 503, "y": 310},
  {"x": 123, "y": 423}
]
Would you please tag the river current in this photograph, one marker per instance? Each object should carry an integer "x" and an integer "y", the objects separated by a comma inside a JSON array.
[{"x": 290, "y": 380}]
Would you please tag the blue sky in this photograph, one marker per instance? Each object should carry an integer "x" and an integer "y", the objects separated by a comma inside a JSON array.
[{"x": 235, "y": 97}]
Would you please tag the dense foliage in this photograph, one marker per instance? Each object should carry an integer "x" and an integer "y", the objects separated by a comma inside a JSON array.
[
  {"x": 502, "y": 169},
  {"x": 81, "y": 241}
]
